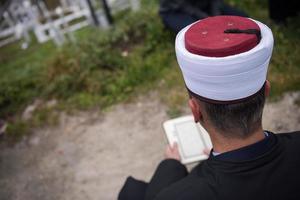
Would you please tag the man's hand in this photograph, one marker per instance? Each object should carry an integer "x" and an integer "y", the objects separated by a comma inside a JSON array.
[
  {"x": 172, "y": 152},
  {"x": 206, "y": 151}
]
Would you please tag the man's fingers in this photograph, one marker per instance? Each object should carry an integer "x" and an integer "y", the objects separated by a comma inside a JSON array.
[
  {"x": 169, "y": 148},
  {"x": 206, "y": 151},
  {"x": 175, "y": 145},
  {"x": 173, "y": 152}
]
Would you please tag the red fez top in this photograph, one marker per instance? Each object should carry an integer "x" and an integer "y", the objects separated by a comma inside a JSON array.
[{"x": 222, "y": 36}]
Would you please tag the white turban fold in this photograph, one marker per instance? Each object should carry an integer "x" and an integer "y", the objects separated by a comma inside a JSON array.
[{"x": 227, "y": 78}]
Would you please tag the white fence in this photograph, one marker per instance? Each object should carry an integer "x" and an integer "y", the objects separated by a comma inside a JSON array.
[
  {"x": 56, "y": 29},
  {"x": 58, "y": 24},
  {"x": 124, "y": 4},
  {"x": 8, "y": 32}
]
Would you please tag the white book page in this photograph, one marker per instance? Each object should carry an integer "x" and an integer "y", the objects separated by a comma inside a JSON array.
[{"x": 191, "y": 138}]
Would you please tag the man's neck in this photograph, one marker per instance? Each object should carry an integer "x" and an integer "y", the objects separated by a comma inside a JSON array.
[{"x": 222, "y": 144}]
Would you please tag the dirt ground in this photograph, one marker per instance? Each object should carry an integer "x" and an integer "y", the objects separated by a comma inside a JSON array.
[{"x": 88, "y": 156}]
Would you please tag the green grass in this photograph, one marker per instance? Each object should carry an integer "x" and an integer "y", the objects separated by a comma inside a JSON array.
[
  {"x": 107, "y": 67},
  {"x": 20, "y": 75}
]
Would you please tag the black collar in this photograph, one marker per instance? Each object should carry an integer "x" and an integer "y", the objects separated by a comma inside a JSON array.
[{"x": 248, "y": 152}]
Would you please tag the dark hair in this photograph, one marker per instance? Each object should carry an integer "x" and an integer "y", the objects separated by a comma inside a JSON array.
[{"x": 235, "y": 119}]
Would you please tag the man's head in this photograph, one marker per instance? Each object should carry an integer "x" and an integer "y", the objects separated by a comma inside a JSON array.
[
  {"x": 231, "y": 120},
  {"x": 224, "y": 61}
]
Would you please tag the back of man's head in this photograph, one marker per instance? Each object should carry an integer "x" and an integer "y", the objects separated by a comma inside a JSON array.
[
  {"x": 235, "y": 120},
  {"x": 224, "y": 61}
]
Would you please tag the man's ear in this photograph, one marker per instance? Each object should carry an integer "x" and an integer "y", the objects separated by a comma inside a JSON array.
[
  {"x": 267, "y": 88},
  {"x": 195, "y": 108}
]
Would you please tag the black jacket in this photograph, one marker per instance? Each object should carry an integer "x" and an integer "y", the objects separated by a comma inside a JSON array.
[
  {"x": 271, "y": 174},
  {"x": 196, "y": 8}
]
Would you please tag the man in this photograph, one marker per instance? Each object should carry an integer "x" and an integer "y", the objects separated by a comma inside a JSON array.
[
  {"x": 176, "y": 14},
  {"x": 224, "y": 61}
]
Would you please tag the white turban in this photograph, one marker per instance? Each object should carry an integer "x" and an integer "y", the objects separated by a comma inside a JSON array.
[{"x": 226, "y": 78}]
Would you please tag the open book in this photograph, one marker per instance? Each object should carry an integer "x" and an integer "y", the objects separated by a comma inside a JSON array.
[{"x": 191, "y": 138}]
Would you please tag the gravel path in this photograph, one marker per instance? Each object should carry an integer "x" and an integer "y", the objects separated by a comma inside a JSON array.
[{"x": 88, "y": 156}]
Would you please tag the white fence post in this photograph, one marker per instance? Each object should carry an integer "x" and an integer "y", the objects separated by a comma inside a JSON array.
[
  {"x": 135, "y": 5},
  {"x": 25, "y": 17}
]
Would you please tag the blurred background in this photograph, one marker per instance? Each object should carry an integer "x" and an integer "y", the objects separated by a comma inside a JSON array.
[{"x": 82, "y": 80}]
